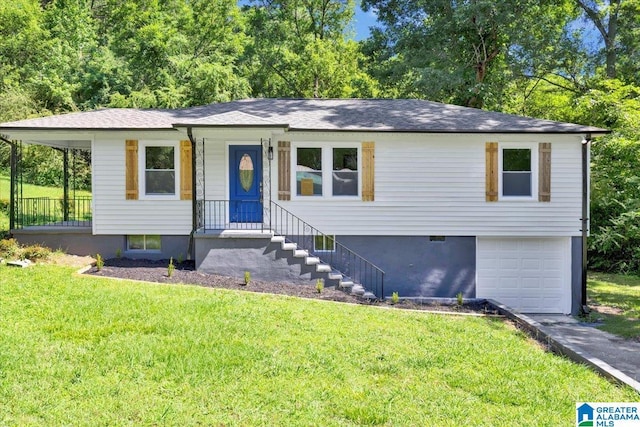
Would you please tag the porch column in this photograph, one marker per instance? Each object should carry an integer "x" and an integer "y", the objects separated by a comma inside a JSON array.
[
  {"x": 12, "y": 184},
  {"x": 65, "y": 184}
]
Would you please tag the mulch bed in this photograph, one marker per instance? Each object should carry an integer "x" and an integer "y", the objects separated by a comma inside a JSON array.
[{"x": 185, "y": 273}]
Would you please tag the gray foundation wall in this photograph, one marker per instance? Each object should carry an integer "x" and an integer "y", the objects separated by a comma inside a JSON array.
[
  {"x": 80, "y": 241},
  {"x": 418, "y": 267},
  {"x": 258, "y": 255},
  {"x": 576, "y": 274}
]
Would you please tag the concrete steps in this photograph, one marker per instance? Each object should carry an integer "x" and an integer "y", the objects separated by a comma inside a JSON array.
[{"x": 329, "y": 275}]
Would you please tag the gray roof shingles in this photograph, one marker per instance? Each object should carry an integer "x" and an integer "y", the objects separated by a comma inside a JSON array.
[{"x": 400, "y": 115}]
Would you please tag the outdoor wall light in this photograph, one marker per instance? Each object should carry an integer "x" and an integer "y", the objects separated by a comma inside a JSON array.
[{"x": 270, "y": 151}]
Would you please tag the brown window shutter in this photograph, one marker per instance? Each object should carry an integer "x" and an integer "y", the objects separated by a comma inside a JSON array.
[
  {"x": 284, "y": 170},
  {"x": 368, "y": 171},
  {"x": 131, "y": 169},
  {"x": 544, "y": 172},
  {"x": 186, "y": 181},
  {"x": 491, "y": 172}
]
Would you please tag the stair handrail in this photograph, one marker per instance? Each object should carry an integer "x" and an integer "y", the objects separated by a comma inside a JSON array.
[{"x": 358, "y": 268}]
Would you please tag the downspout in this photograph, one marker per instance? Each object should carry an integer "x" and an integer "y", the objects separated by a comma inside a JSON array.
[
  {"x": 12, "y": 183},
  {"x": 194, "y": 208},
  {"x": 584, "y": 309}
]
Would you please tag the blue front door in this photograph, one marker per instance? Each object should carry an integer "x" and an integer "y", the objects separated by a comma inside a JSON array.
[{"x": 245, "y": 182}]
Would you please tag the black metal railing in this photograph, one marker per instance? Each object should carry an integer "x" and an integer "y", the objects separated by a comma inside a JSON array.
[
  {"x": 53, "y": 212},
  {"x": 345, "y": 261},
  {"x": 252, "y": 215},
  {"x": 230, "y": 214}
]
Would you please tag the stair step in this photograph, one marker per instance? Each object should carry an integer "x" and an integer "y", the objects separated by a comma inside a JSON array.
[
  {"x": 369, "y": 295},
  {"x": 277, "y": 239},
  {"x": 346, "y": 284},
  {"x": 312, "y": 260},
  {"x": 335, "y": 276},
  {"x": 323, "y": 268},
  {"x": 300, "y": 253},
  {"x": 289, "y": 246},
  {"x": 357, "y": 290}
]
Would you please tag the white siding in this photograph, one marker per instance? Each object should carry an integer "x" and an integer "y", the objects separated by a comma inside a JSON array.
[
  {"x": 112, "y": 214},
  {"x": 435, "y": 185}
]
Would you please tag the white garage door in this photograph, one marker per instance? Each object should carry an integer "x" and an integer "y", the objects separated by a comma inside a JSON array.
[{"x": 531, "y": 275}]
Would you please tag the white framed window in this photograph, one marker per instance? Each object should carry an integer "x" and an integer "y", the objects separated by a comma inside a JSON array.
[
  {"x": 159, "y": 170},
  {"x": 144, "y": 242},
  {"x": 326, "y": 171},
  {"x": 518, "y": 176},
  {"x": 324, "y": 243}
]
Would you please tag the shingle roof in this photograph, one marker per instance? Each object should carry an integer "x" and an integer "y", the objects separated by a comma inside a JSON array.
[{"x": 400, "y": 115}]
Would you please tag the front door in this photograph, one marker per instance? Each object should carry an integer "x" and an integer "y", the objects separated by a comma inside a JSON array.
[{"x": 245, "y": 182}]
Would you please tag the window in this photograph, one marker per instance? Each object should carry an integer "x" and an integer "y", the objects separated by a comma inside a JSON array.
[
  {"x": 324, "y": 243},
  {"x": 309, "y": 172},
  {"x": 517, "y": 176},
  {"x": 143, "y": 242},
  {"x": 160, "y": 170},
  {"x": 345, "y": 172},
  {"x": 327, "y": 171}
]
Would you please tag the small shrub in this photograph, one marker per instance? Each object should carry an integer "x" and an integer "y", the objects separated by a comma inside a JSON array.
[
  {"x": 9, "y": 248},
  {"x": 99, "y": 262},
  {"x": 319, "y": 285},
  {"x": 180, "y": 259},
  {"x": 35, "y": 252},
  {"x": 459, "y": 298},
  {"x": 171, "y": 268},
  {"x": 247, "y": 278},
  {"x": 118, "y": 253},
  {"x": 395, "y": 298}
]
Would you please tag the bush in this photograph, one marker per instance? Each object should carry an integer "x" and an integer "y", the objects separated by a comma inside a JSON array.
[
  {"x": 9, "y": 248},
  {"x": 35, "y": 252}
]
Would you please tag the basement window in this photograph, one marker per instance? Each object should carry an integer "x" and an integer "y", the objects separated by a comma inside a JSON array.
[
  {"x": 437, "y": 238},
  {"x": 144, "y": 242},
  {"x": 324, "y": 244}
]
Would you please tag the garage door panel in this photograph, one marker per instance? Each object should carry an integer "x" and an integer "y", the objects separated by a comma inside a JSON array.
[{"x": 528, "y": 274}]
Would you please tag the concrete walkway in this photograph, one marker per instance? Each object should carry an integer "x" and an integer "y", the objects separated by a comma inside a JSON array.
[{"x": 610, "y": 355}]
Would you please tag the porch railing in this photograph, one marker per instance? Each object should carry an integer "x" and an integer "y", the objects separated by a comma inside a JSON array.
[
  {"x": 216, "y": 215},
  {"x": 53, "y": 212}
]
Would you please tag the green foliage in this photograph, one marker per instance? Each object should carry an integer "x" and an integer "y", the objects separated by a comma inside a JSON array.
[
  {"x": 395, "y": 298},
  {"x": 118, "y": 253},
  {"x": 459, "y": 298},
  {"x": 319, "y": 285},
  {"x": 171, "y": 268},
  {"x": 247, "y": 278},
  {"x": 99, "y": 262},
  {"x": 10, "y": 248}
]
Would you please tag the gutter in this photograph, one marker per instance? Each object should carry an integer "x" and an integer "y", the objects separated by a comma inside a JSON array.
[
  {"x": 194, "y": 209},
  {"x": 586, "y": 143}
]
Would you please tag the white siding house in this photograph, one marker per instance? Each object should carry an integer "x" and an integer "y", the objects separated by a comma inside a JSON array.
[{"x": 439, "y": 199}]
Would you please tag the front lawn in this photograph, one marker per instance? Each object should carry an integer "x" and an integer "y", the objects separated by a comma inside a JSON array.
[
  {"x": 92, "y": 351},
  {"x": 616, "y": 298}
]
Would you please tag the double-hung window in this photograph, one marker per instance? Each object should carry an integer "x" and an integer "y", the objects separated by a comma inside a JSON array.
[
  {"x": 517, "y": 172},
  {"x": 159, "y": 170},
  {"x": 330, "y": 171}
]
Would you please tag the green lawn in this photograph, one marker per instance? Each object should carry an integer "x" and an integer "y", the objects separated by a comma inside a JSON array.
[
  {"x": 91, "y": 351},
  {"x": 621, "y": 293}
]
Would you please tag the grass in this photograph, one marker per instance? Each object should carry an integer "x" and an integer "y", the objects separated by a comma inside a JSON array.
[
  {"x": 93, "y": 351},
  {"x": 622, "y": 293}
]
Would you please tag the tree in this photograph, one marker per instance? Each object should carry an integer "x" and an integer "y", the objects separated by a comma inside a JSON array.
[
  {"x": 463, "y": 52},
  {"x": 301, "y": 48}
]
